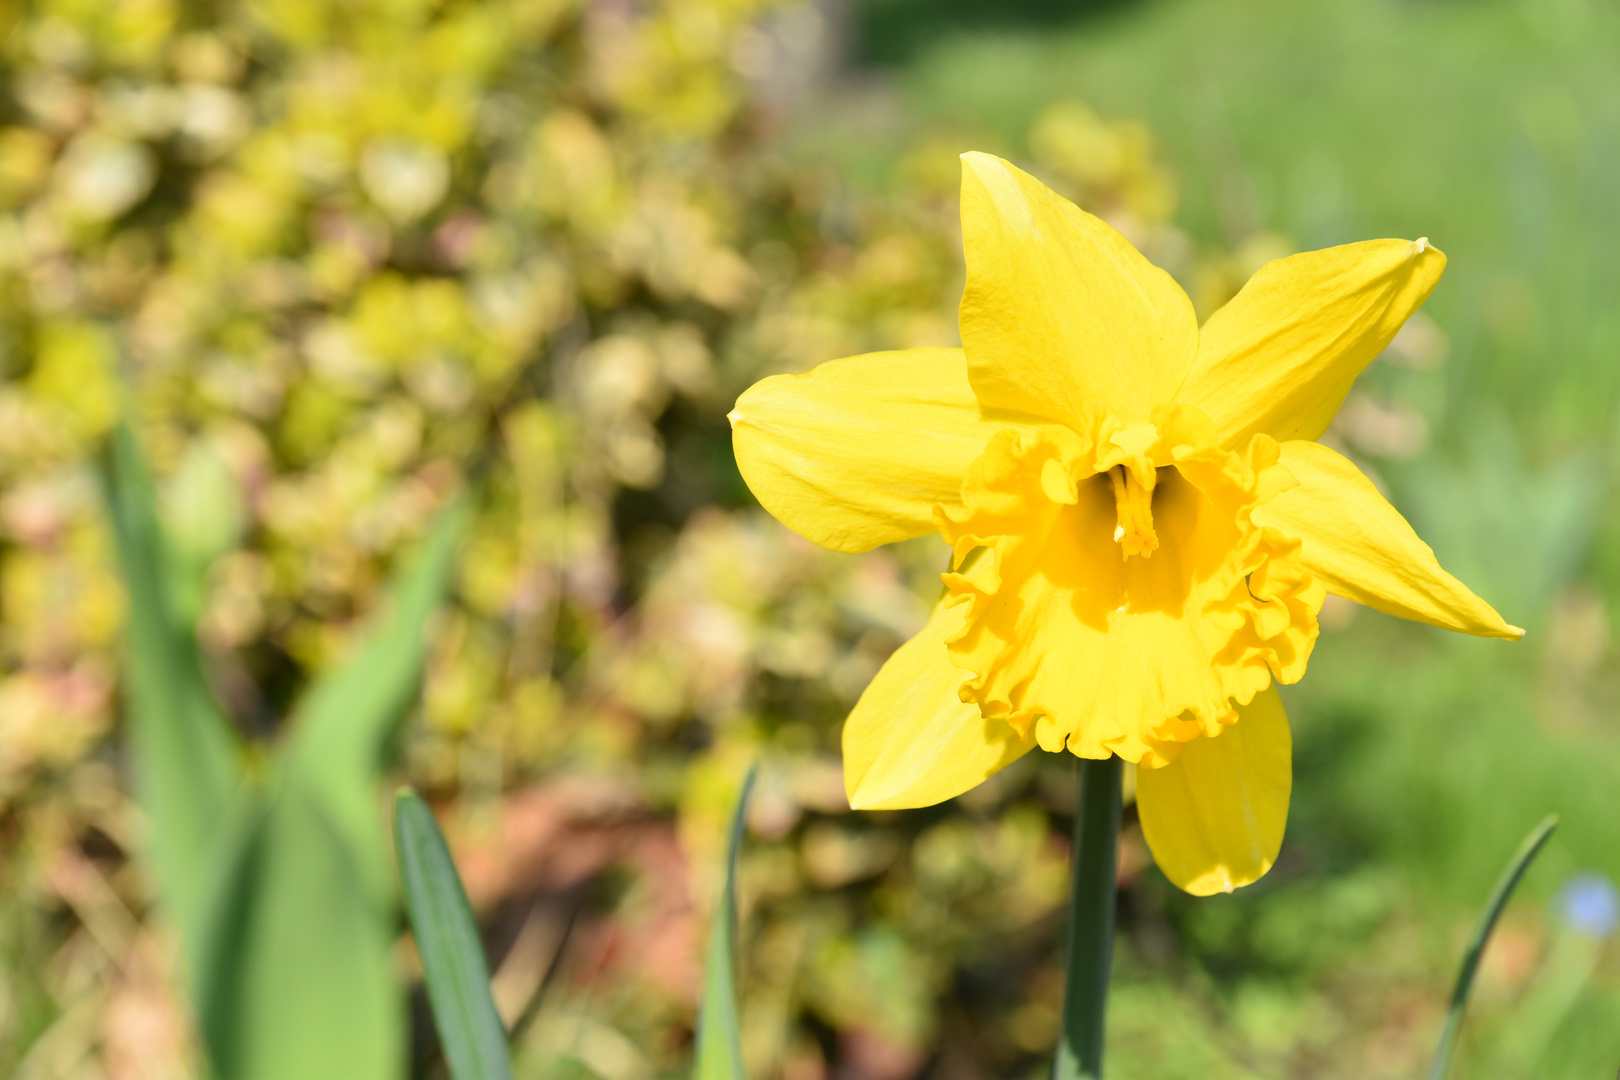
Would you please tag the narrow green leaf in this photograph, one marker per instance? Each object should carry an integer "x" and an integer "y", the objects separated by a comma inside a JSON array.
[
  {"x": 1482, "y": 934},
  {"x": 719, "y": 1037},
  {"x": 346, "y": 722},
  {"x": 447, "y": 938},
  {"x": 184, "y": 753},
  {"x": 300, "y": 978}
]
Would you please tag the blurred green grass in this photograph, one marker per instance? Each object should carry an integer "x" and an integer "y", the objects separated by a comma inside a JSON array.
[{"x": 1493, "y": 128}]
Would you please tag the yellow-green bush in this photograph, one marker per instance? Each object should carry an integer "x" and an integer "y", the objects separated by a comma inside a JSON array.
[{"x": 337, "y": 263}]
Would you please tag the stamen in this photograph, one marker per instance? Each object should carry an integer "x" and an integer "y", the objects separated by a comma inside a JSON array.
[{"x": 1134, "y": 504}]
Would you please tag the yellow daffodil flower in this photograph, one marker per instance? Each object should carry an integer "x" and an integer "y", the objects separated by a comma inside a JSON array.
[{"x": 1143, "y": 525}]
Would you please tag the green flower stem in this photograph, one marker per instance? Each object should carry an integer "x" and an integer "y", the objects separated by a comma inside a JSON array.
[{"x": 1091, "y": 921}]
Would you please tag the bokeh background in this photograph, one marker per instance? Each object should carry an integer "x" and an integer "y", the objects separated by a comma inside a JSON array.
[{"x": 337, "y": 262}]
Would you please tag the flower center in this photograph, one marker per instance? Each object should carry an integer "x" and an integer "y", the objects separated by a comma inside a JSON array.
[
  {"x": 1098, "y": 654},
  {"x": 1133, "y": 504}
]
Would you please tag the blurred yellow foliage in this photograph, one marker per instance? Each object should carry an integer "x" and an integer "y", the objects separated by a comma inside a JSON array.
[{"x": 336, "y": 263}]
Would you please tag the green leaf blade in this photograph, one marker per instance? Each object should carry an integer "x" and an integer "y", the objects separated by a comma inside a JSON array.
[
  {"x": 1505, "y": 885},
  {"x": 719, "y": 1035},
  {"x": 185, "y": 755},
  {"x": 447, "y": 939},
  {"x": 302, "y": 979},
  {"x": 346, "y": 720},
  {"x": 299, "y": 978}
]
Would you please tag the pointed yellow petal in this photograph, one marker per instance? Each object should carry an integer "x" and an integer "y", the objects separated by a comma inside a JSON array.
[
  {"x": 1363, "y": 549},
  {"x": 1280, "y": 357},
  {"x": 1214, "y": 816},
  {"x": 1061, "y": 315},
  {"x": 910, "y": 741},
  {"x": 856, "y": 452}
]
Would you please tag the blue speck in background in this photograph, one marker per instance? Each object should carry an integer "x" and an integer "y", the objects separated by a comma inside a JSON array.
[{"x": 1590, "y": 904}]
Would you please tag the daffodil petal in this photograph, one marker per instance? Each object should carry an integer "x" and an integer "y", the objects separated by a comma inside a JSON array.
[
  {"x": 1363, "y": 549},
  {"x": 1214, "y": 816},
  {"x": 1061, "y": 316},
  {"x": 911, "y": 741},
  {"x": 1280, "y": 357},
  {"x": 856, "y": 452}
]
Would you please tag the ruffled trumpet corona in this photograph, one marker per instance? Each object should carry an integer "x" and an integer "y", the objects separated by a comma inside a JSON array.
[{"x": 1143, "y": 526}]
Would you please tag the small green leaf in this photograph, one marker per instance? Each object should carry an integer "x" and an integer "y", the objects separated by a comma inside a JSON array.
[
  {"x": 1482, "y": 934},
  {"x": 719, "y": 1037},
  {"x": 185, "y": 755},
  {"x": 447, "y": 938},
  {"x": 300, "y": 978},
  {"x": 346, "y": 722}
]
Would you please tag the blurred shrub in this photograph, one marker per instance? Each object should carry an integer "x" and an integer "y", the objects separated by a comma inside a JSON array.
[{"x": 340, "y": 262}]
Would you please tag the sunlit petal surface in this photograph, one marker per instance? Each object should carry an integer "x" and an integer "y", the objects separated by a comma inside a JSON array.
[
  {"x": 1061, "y": 314},
  {"x": 911, "y": 741},
  {"x": 1280, "y": 357},
  {"x": 1362, "y": 549},
  {"x": 857, "y": 452},
  {"x": 1214, "y": 817}
]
